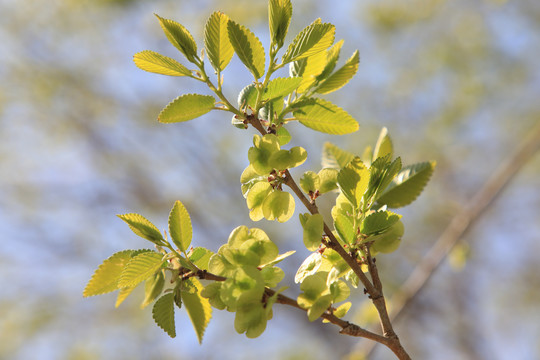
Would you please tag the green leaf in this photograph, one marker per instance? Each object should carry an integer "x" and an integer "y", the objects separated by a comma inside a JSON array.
[
  {"x": 383, "y": 146},
  {"x": 180, "y": 226},
  {"x": 342, "y": 310},
  {"x": 279, "y": 258},
  {"x": 123, "y": 293},
  {"x": 310, "y": 68},
  {"x": 309, "y": 182},
  {"x": 335, "y": 157},
  {"x": 279, "y": 205},
  {"x": 341, "y": 77},
  {"x": 154, "y": 62},
  {"x": 153, "y": 288},
  {"x": 319, "y": 307},
  {"x": 200, "y": 257},
  {"x": 382, "y": 174},
  {"x": 283, "y": 136},
  {"x": 340, "y": 291},
  {"x": 353, "y": 181},
  {"x": 247, "y": 97},
  {"x": 259, "y": 155},
  {"x": 328, "y": 180},
  {"x": 105, "y": 278},
  {"x": 388, "y": 241},
  {"x": 288, "y": 159},
  {"x": 163, "y": 314},
  {"x": 248, "y": 48},
  {"x": 186, "y": 107},
  {"x": 280, "y": 87},
  {"x": 198, "y": 308},
  {"x": 310, "y": 265},
  {"x": 272, "y": 276},
  {"x": 279, "y": 18},
  {"x": 180, "y": 38},
  {"x": 142, "y": 227},
  {"x": 216, "y": 41},
  {"x": 332, "y": 56},
  {"x": 407, "y": 185},
  {"x": 255, "y": 198},
  {"x": 313, "y": 39},
  {"x": 344, "y": 228},
  {"x": 378, "y": 222},
  {"x": 323, "y": 116},
  {"x": 140, "y": 268},
  {"x": 313, "y": 229}
]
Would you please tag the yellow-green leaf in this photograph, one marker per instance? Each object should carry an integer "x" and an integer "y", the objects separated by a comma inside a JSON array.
[
  {"x": 280, "y": 87},
  {"x": 311, "y": 40},
  {"x": 140, "y": 268},
  {"x": 105, "y": 278},
  {"x": 154, "y": 62},
  {"x": 353, "y": 181},
  {"x": 341, "y": 77},
  {"x": 323, "y": 116},
  {"x": 180, "y": 38},
  {"x": 279, "y": 19},
  {"x": 216, "y": 41},
  {"x": 407, "y": 185},
  {"x": 334, "y": 157},
  {"x": 142, "y": 227},
  {"x": 163, "y": 314},
  {"x": 383, "y": 146},
  {"x": 197, "y": 307},
  {"x": 153, "y": 288},
  {"x": 187, "y": 107},
  {"x": 180, "y": 226},
  {"x": 248, "y": 48},
  {"x": 123, "y": 293}
]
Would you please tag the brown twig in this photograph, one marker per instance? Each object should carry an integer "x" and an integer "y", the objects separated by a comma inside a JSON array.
[
  {"x": 392, "y": 341},
  {"x": 461, "y": 223}
]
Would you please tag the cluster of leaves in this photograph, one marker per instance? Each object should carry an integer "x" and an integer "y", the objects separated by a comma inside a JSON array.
[
  {"x": 243, "y": 272},
  {"x": 312, "y": 57},
  {"x": 127, "y": 269},
  {"x": 247, "y": 262},
  {"x": 362, "y": 222}
]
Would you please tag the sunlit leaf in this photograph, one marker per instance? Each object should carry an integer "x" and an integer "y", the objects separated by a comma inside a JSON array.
[
  {"x": 279, "y": 16},
  {"x": 314, "y": 38},
  {"x": 216, "y": 41},
  {"x": 383, "y": 146},
  {"x": 153, "y": 288},
  {"x": 332, "y": 56},
  {"x": 163, "y": 314},
  {"x": 344, "y": 228},
  {"x": 378, "y": 222},
  {"x": 197, "y": 307},
  {"x": 335, "y": 157},
  {"x": 255, "y": 198},
  {"x": 140, "y": 268},
  {"x": 248, "y": 48},
  {"x": 312, "y": 66},
  {"x": 105, "y": 278},
  {"x": 309, "y": 182},
  {"x": 280, "y": 87},
  {"x": 407, "y": 185},
  {"x": 353, "y": 181},
  {"x": 186, "y": 107},
  {"x": 310, "y": 265},
  {"x": 279, "y": 205},
  {"x": 323, "y": 116},
  {"x": 123, "y": 293},
  {"x": 328, "y": 180},
  {"x": 180, "y": 226},
  {"x": 142, "y": 227},
  {"x": 341, "y": 77},
  {"x": 154, "y": 62},
  {"x": 313, "y": 229},
  {"x": 388, "y": 241},
  {"x": 180, "y": 38}
]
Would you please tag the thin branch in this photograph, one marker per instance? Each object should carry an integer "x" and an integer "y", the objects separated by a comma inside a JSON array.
[
  {"x": 376, "y": 295},
  {"x": 461, "y": 223}
]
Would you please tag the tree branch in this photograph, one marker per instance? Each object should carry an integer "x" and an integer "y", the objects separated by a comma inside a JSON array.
[
  {"x": 375, "y": 294},
  {"x": 460, "y": 224}
]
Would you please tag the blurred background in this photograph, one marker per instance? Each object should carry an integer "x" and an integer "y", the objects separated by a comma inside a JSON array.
[{"x": 454, "y": 81}]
